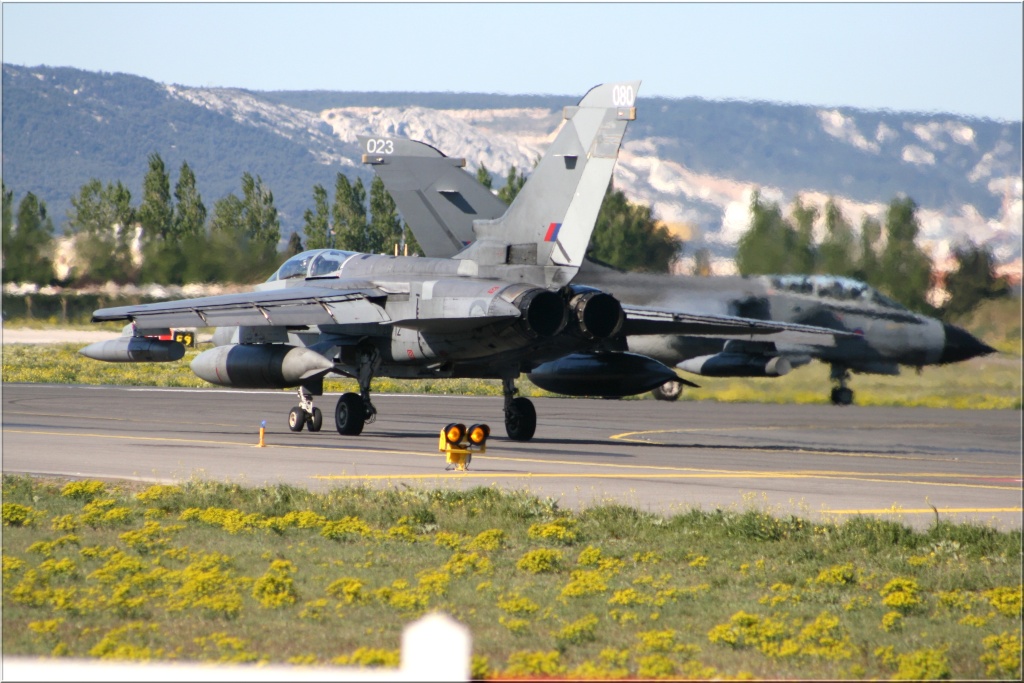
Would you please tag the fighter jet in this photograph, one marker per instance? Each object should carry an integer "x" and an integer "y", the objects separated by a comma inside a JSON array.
[
  {"x": 502, "y": 305},
  {"x": 440, "y": 201}
]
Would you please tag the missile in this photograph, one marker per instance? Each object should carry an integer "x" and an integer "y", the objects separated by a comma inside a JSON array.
[
  {"x": 135, "y": 350},
  {"x": 259, "y": 366},
  {"x": 736, "y": 365},
  {"x": 601, "y": 374}
]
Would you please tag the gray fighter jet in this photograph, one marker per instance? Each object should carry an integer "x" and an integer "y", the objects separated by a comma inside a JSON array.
[
  {"x": 440, "y": 201},
  {"x": 501, "y": 306}
]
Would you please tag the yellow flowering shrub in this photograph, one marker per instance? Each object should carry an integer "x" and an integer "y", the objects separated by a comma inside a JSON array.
[
  {"x": 104, "y": 512},
  {"x": 64, "y": 523},
  {"x": 276, "y": 588},
  {"x": 489, "y": 540},
  {"x": 11, "y": 565},
  {"x": 450, "y": 540},
  {"x": 892, "y": 621},
  {"x": 220, "y": 647},
  {"x": 123, "y": 643},
  {"x": 87, "y": 489},
  {"x": 1002, "y": 655},
  {"x": 1006, "y": 600},
  {"x": 345, "y": 529},
  {"x": 926, "y": 664},
  {"x": 158, "y": 493},
  {"x": 46, "y": 627},
  {"x": 589, "y": 556},
  {"x": 584, "y": 582},
  {"x": 540, "y": 561},
  {"x": 515, "y": 626},
  {"x": 649, "y": 557},
  {"x": 303, "y": 519},
  {"x": 527, "y": 663},
  {"x": 462, "y": 563},
  {"x": 628, "y": 597},
  {"x": 513, "y": 603},
  {"x": 837, "y": 575},
  {"x": 434, "y": 582},
  {"x": 579, "y": 631},
  {"x": 347, "y": 589},
  {"x": 47, "y": 548},
  {"x": 207, "y": 584},
  {"x": 232, "y": 521},
  {"x": 656, "y": 666},
  {"x": 656, "y": 641},
  {"x": 16, "y": 514},
  {"x": 151, "y": 538},
  {"x": 781, "y": 593},
  {"x": 699, "y": 562},
  {"x": 560, "y": 531},
  {"x": 370, "y": 656},
  {"x": 770, "y": 636},
  {"x": 901, "y": 593}
]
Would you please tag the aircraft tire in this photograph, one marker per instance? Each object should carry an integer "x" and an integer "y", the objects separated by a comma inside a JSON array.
[
  {"x": 521, "y": 419},
  {"x": 296, "y": 419},
  {"x": 316, "y": 420},
  {"x": 842, "y": 396},
  {"x": 669, "y": 391},
  {"x": 350, "y": 415}
]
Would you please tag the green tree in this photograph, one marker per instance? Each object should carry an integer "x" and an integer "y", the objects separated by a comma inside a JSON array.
[
  {"x": 836, "y": 252},
  {"x": 804, "y": 255},
  {"x": 27, "y": 247},
  {"x": 627, "y": 236},
  {"x": 103, "y": 223},
  {"x": 973, "y": 281},
  {"x": 262, "y": 224},
  {"x": 769, "y": 244},
  {"x": 294, "y": 245},
  {"x": 867, "y": 266},
  {"x": 189, "y": 211},
  {"x": 906, "y": 271},
  {"x": 385, "y": 229},
  {"x": 513, "y": 184},
  {"x": 483, "y": 176},
  {"x": 349, "y": 213},
  {"x": 8, "y": 217},
  {"x": 318, "y": 221},
  {"x": 156, "y": 213}
]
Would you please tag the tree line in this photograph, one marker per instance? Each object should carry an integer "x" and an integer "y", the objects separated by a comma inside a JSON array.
[{"x": 171, "y": 238}]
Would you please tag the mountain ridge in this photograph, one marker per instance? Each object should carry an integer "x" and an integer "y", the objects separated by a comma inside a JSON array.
[{"x": 695, "y": 161}]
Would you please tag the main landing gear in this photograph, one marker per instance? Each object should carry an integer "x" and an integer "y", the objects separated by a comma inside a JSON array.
[
  {"x": 520, "y": 415},
  {"x": 353, "y": 411},
  {"x": 841, "y": 394}
]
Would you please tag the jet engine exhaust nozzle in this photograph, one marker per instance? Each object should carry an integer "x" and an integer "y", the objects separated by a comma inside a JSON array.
[
  {"x": 598, "y": 315},
  {"x": 544, "y": 313}
]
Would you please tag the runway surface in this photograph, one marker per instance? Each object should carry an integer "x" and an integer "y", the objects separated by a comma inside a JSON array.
[{"x": 818, "y": 462}]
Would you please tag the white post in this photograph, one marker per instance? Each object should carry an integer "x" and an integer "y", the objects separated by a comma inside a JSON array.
[{"x": 436, "y": 648}]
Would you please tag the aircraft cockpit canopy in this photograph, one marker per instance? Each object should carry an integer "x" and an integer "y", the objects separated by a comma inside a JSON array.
[
  {"x": 834, "y": 287},
  {"x": 314, "y": 263}
]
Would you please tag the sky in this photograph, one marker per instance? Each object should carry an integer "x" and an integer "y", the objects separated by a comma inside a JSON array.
[{"x": 961, "y": 58}]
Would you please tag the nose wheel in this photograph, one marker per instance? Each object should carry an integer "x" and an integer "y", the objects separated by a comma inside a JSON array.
[{"x": 305, "y": 414}]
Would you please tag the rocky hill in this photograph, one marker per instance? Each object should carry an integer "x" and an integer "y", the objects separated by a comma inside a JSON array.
[{"x": 696, "y": 161}]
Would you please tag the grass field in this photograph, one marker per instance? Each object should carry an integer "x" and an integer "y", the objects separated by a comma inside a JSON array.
[{"x": 216, "y": 572}]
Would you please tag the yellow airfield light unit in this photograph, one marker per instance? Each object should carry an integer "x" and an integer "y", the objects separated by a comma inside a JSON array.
[{"x": 458, "y": 444}]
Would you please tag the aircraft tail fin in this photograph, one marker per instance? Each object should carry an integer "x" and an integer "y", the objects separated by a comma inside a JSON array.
[{"x": 550, "y": 222}]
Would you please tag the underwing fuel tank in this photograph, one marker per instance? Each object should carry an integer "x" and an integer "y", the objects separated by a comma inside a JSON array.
[
  {"x": 259, "y": 366},
  {"x": 135, "y": 350},
  {"x": 736, "y": 365},
  {"x": 601, "y": 374}
]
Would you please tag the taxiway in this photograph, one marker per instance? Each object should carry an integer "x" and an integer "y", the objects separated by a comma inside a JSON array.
[{"x": 819, "y": 462}]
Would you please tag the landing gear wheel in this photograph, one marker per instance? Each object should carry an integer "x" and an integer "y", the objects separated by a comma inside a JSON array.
[
  {"x": 350, "y": 414},
  {"x": 296, "y": 419},
  {"x": 842, "y": 396},
  {"x": 669, "y": 391},
  {"x": 520, "y": 419},
  {"x": 316, "y": 420}
]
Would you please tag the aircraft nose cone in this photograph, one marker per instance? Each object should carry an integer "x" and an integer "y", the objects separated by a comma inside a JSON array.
[{"x": 961, "y": 345}]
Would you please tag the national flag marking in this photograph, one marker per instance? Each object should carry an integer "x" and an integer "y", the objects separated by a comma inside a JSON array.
[{"x": 552, "y": 232}]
